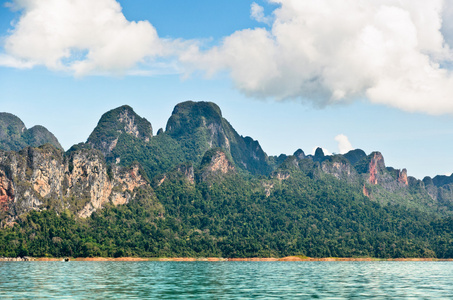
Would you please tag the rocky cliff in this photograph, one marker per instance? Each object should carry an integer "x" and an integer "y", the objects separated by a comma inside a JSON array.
[{"x": 46, "y": 178}]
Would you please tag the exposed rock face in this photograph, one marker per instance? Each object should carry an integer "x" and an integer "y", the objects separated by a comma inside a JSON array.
[
  {"x": 366, "y": 192},
  {"x": 402, "y": 177},
  {"x": 122, "y": 120},
  {"x": 90, "y": 179},
  {"x": 215, "y": 164},
  {"x": 281, "y": 175},
  {"x": 41, "y": 178},
  {"x": 7, "y": 192},
  {"x": 220, "y": 163},
  {"x": 339, "y": 167},
  {"x": 376, "y": 165}
]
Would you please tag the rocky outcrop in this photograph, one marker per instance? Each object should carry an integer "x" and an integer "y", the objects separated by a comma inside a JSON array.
[
  {"x": 215, "y": 164},
  {"x": 339, "y": 167},
  {"x": 122, "y": 120},
  {"x": 375, "y": 166},
  {"x": 45, "y": 178},
  {"x": 402, "y": 177},
  {"x": 281, "y": 175},
  {"x": 366, "y": 191},
  {"x": 7, "y": 192}
]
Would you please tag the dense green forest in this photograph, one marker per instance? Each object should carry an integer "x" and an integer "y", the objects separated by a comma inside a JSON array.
[{"x": 233, "y": 218}]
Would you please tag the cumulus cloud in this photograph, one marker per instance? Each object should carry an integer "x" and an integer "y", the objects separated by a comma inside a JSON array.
[
  {"x": 392, "y": 52},
  {"x": 257, "y": 13},
  {"x": 344, "y": 145},
  {"x": 80, "y": 36}
]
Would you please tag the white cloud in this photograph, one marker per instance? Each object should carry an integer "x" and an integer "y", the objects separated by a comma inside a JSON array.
[
  {"x": 257, "y": 13},
  {"x": 80, "y": 36},
  {"x": 393, "y": 52},
  {"x": 337, "y": 51},
  {"x": 447, "y": 22},
  {"x": 344, "y": 145},
  {"x": 12, "y": 62}
]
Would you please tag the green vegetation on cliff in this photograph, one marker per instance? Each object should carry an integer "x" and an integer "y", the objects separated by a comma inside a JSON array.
[{"x": 14, "y": 136}]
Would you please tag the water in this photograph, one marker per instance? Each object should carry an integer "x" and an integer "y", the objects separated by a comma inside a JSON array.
[{"x": 226, "y": 280}]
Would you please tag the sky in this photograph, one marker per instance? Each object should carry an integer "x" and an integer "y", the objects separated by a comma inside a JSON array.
[{"x": 337, "y": 74}]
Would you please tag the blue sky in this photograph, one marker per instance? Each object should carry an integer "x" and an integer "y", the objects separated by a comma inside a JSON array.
[{"x": 291, "y": 74}]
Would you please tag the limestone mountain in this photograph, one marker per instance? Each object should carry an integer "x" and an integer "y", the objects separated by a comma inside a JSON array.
[
  {"x": 14, "y": 136},
  {"x": 192, "y": 129},
  {"x": 199, "y": 126},
  {"x": 199, "y": 145},
  {"x": 195, "y": 128},
  {"x": 201, "y": 189},
  {"x": 115, "y": 123}
]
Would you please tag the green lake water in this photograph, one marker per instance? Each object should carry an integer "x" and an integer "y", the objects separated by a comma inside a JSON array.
[{"x": 226, "y": 280}]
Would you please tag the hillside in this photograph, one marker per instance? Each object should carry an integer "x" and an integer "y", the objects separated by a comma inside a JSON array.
[{"x": 201, "y": 189}]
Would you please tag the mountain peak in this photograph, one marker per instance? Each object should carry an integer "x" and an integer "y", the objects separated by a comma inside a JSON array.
[
  {"x": 355, "y": 155},
  {"x": 319, "y": 153},
  {"x": 118, "y": 121},
  {"x": 15, "y": 136},
  {"x": 200, "y": 126},
  {"x": 190, "y": 114},
  {"x": 299, "y": 154}
]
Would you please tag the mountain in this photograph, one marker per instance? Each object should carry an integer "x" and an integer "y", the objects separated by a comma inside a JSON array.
[
  {"x": 201, "y": 189},
  {"x": 199, "y": 126},
  {"x": 192, "y": 129},
  {"x": 115, "y": 123},
  {"x": 14, "y": 136}
]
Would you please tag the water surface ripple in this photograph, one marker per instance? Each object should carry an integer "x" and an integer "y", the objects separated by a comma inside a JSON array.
[{"x": 226, "y": 280}]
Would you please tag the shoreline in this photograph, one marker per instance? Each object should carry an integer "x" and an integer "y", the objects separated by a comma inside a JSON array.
[{"x": 219, "y": 259}]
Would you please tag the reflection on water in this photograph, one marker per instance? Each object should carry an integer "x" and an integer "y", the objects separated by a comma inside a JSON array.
[{"x": 225, "y": 280}]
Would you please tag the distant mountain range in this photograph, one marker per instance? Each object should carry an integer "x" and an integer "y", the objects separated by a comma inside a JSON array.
[{"x": 202, "y": 181}]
